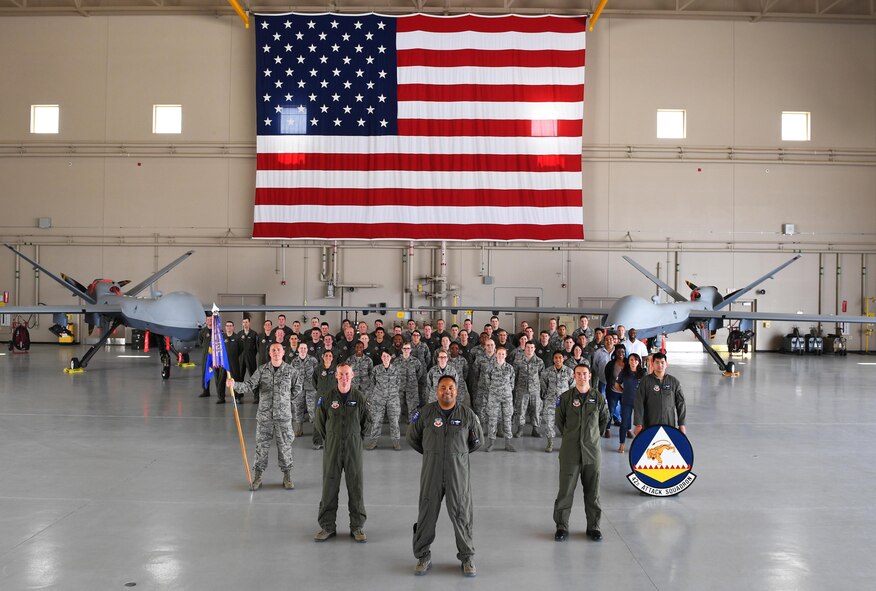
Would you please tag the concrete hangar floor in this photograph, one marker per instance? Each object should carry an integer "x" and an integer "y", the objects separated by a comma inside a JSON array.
[{"x": 115, "y": 478}]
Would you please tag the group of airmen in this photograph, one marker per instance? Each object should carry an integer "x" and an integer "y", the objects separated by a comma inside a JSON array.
[
  {"x": 508, "y": 379},
  {"x": 347, "y": 383}
]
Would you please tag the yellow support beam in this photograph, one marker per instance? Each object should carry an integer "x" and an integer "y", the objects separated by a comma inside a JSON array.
[
  {"x": 593, "y": 19},
  {"x": 242, "y": 13}
]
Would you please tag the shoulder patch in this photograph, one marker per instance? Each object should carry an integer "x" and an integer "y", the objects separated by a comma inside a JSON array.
[
  {"x": 319, "y": 402},
  {"x": 415, "y": 416}
]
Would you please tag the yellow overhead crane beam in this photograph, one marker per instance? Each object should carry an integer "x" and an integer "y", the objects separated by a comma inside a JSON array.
[
  {"x": 593, "y": 19},
  {"x": 240, "y": 12}
]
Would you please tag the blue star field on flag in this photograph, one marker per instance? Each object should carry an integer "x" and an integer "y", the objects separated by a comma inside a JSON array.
[{"x": 324, "y": 75}]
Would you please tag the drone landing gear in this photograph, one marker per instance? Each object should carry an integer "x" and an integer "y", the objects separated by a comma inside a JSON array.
[
  {"x": 78, "y": 365},
  {"x": 728, "y": 368},
  {"x": 164, "y": 353}
]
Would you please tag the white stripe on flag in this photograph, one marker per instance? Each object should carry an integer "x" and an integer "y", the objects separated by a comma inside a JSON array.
[
  {"x": 406, "y": 179},
  {"x": 398, "y": 214},
  {"x": 480, "y": 110},
  {"x": 490, "y": 41},
  {"x": 491, "y": 76},
  {"x": 388, "y": 144}
]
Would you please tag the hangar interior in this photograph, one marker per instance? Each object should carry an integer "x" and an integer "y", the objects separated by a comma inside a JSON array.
[
  {"x": 116, "y": 479},
  {"x": 123, "y": 201}
]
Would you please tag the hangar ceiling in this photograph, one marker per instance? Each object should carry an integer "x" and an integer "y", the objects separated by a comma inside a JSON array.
[{"x": 862, "y": 11}]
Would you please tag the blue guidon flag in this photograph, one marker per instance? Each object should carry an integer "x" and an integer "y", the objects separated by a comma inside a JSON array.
[
  {"x": 419, "y": 127},
  {"x": 217, "y": 356},
  {"x": 661, "y": 458}
]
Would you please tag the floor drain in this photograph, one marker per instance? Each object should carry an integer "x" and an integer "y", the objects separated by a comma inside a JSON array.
[{"x": 131, "y": 584}]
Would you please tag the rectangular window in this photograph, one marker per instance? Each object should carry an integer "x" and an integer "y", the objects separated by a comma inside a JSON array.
[
  {"x": 166, "y": 118},
  {"x": 293, "y": 120},
  {"x": 44, "y": 118},
  {"x": 795, "y": 126},
  {"x": 671, "y": 123}
]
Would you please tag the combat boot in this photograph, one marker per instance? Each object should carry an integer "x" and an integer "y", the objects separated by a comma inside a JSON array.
[
  {"x": 535, "y": 431},
  {"x": 550, "y": 445},
  {"x": 359, "y": 535},
  {"x": 518, "y": 430},
  {"x": 323, "y": 535},
  {"x": 204, "y": 394},
  {"x": 489, "y": 447},
  {"x": 256, "y": 480},
  {"x": 287, "y": 481},
  {"x": 371, "y": 444},
  {"x": 423, "y": 566},
  {"x": 396, "y": 444},
  {"x": 468, "y": 568},
  {"x": 508, "y": 446},
  {"x": 297, "y": 429}
]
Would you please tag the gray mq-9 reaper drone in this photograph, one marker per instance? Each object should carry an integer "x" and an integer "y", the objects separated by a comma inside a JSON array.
[{"x": 178, "y": 315}]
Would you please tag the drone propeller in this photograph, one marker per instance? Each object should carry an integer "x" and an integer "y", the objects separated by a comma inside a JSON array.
[{"x": 74, "y": 283}]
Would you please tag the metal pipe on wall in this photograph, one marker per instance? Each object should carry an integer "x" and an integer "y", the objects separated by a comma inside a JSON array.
[
  {"x": 323, "y": 274},
  {"x": 18, "y": 280},
  {"x": 36, "y": 276},
  {"x": 820, "y": 286},
  {"x": 410, "y": 265},
  {"x": 862, "y": 327},
  {"x": 335, "y": 264},
  {"x": 283, "y": 265},
  {"x": 839, "y": 276},
  {"x": 568, "y": 281},
  {"x": 304, "y": 280},
  {"x": 657, "y": 289}
]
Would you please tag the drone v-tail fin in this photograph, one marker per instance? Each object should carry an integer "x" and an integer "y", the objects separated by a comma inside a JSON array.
[
  {"x": 158, "y": 275},
  {"x": 71, "y": 284},
  {"x": 732, "y": 297},
  {"x": 657, "y": 281}
]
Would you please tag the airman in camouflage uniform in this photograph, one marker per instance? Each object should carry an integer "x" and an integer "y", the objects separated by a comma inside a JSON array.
[
  {"x": 504, "y": 341},
  {"x": 420, "y": 351},
  {"x": 527, "y": 391},
  {"x": 434, "y": 375},
  {"x": 362, "y": 367},
  {"x": 482, "y": 365},
  {"x": 304, "y": 404},
  {"x": 458, "y": 362},
  {"x": 500, "y": 386},
  {"x": 583, "y": 328},
  {"x": 383, "y": 400},
  {"x": 411, "y": 373},
  {"x": 555, "y": 380},
  {"x": 277, "y": 382},
  {"x": 324, "y": 380}
]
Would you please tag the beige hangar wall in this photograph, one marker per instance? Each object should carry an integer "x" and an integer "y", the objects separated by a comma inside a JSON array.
[{"x": 124, "y": 202}]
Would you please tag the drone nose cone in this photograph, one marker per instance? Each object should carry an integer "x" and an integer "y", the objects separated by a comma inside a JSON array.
[{"x": 176, "y": 314}]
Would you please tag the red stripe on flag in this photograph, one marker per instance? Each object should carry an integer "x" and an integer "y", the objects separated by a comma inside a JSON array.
[
  {"x": 420, "y": 162},
  {"x": 510, "y": 93},
  {"x": 489, "y": 127},
  {"x": 420, "y": 197},
  {"x": 418, "y": 231},
  {"x": 490, "y": 59},
  {"x": 520, "y": 24}
]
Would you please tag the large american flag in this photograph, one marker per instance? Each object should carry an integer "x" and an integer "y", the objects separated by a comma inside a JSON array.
[{"x": 419, "y": 127}]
